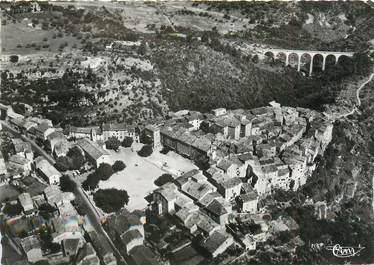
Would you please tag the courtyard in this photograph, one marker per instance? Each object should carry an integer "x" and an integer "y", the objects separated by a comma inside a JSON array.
[{"x": 140, "y": 172}]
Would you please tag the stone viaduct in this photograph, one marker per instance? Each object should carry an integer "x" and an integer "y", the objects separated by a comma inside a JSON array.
[{"x": 275, "y": 53}]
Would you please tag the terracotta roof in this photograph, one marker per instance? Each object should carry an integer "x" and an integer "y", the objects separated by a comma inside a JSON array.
[
  {"x": 71, "y": 245},
  {"x": 142, "y": 255},
  {"x": 30, "y": 243},
  {"x": 91, "y": 148},
  {"x": 197, "y": 190},
  {"x": 224, "y": 164},
  {"x": 56, "y": 134},
  {"x": 123, "y": 221},
  {"x": 249, "y": 196},
  {"x": 130, "y": 235},
  {"x": 114, "y": 127},
  {"x": 87, "y": 252},
  {"x": 18, "y": 159},
  {"x": 245, "y": 157},
  {"x": 231, "y": 183},
  {"x": 216, "y": 208},
  {"x": 42, "y": 127},
  {"x": 46, "y": 168},
  {"x": 84, "y": 130},
  {"x": 215, "y": 241}
]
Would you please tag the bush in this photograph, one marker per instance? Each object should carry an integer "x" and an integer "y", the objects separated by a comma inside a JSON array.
[
  {"x": 113, "y": 143},
  {"x": 118, "y": 166},
  {"x": 127, "y": 142},
  {"x": 111, "y": 200},
  {"x": 66, "y": 184},
  {"x": 145, "y": 151},
  {"x": 163, "y": 179}
]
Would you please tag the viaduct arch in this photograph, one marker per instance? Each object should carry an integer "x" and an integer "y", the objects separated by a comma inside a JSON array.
[{"x": 311, "y": 54}]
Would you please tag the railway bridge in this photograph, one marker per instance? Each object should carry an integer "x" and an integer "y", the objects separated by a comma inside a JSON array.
[{"x": 276, "y": 53}]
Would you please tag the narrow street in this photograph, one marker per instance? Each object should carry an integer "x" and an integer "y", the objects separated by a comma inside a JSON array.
[{"x": 95, "y": 218}]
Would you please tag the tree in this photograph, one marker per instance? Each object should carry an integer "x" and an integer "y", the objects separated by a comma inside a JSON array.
[
  {"x": 66, "y": 184},
  {"x": 163, "y": 179},
  {"x": 13, "y": 58},
  {"x": 12, "y": 209},
  {"x": 104, "y": 171},
  {"x": 91, "y": 182},
  {"x": 113, "y": 143},
  {"x": 142, "y": 50},
  {"x": 127, "y": 141},
  {"x": 145, "y": 139},
  {"x": 46, "y": 211},
  {"x": 77, "y": 157},
  {"x": 145, "y": 151},
  {"x": 63, "y": 163},
  {"x": 111, "y": 200},
  {"x": 118, "y": 166},
  {"x": 255, "y": 58},
  {"x": 46, "y": 241}
]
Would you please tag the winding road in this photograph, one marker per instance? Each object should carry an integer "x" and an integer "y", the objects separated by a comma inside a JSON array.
[
  {"x": 354, "y": 107},
  {"x": 359, "y": 89}
]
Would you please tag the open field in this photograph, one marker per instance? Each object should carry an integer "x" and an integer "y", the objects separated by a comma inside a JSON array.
[
  {"x": 140, "y": 173},
  {"x": 141, "y": 17},
  {"x": 19, "y": 38}
]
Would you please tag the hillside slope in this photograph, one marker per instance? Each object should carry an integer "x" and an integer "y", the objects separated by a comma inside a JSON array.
[{"x": 195, "y": 76}]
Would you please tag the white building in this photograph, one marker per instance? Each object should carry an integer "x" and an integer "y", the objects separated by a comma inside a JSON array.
[
  {"x": 26, "y": 203},
  {"x": 120, "y": 131},
  {"x": 47, "y": 171}
]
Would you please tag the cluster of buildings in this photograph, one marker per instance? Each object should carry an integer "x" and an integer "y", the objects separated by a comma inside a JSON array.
[
  {"x": 104, "y": 132},
  {"x": 47, "y": 219},
  {"x": 203, "y": 205},
  {"x": 48, "y": 226},
  {"x": 91, "y": 140},
  {"x": 272, "y": 147},
  {"x": 127, "y": 231},
  {"x": 20, "y": 161},
  {"x": 248, "y": 154},
  {"x": 243, "y": 155}
]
